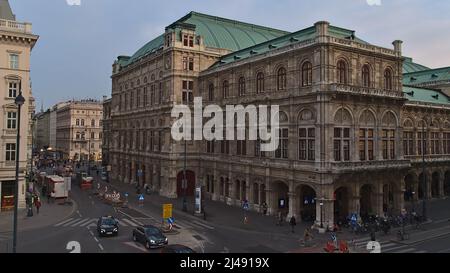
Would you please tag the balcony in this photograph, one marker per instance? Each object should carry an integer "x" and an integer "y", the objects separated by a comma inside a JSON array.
[
  {"x": 358, "y": 90},
  {"x": 415, "y": 159},
  {"x": 14, "y": 26},
  {"x": 342, "y": 167}
]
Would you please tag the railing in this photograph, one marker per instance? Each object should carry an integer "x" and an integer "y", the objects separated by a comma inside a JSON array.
[
  {"x": 370, "y": 165},
  {"x": 15, "y": 26},
  {"x": 367, "y": 91}
]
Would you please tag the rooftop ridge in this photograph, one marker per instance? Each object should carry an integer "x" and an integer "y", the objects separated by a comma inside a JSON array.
[
  {"x": 427, "y": 71},
  {"x": 232, "y": 21}
]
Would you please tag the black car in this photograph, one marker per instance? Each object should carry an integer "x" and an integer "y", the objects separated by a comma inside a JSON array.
[
  {"x": 150, "y": 236},
  {"x": 180, "y": 249},
  {"x": 107, "y": 225}
]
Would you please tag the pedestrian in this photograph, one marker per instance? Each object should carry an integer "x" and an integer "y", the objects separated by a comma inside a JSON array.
[
  {"x": 264, "y": 206},
  {"x": 280, "y": 218},
  {"x": 307, "y": 236},
  {"x": 293, "y": 223},
  {"x": 37, "y": 203}
]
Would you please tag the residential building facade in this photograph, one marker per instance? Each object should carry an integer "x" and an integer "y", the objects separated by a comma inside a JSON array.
[
  {"x": 79, "y": 130},
  {"x": 16, "y": 43},
  {"x": 351, "y": 136},
  {"x": 106, "y": 141}
]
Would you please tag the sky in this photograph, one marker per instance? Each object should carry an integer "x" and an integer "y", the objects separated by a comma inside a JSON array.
[{"x": 80, "y": 39}]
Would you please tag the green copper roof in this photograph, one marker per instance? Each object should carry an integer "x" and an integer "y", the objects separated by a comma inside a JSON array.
[
  {"x": 295, "y": 37},
  {"x": 409, "y": 66},
  {"x": 425, "y": 95},
  {"x": 216, "y": 32},
  {"x": 427, "y": 76}
]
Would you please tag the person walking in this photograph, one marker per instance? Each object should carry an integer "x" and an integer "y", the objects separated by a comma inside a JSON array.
[
  {"x": 280, "y": 218},
  {"x": 307, "y": 236},
  {"x": 37, "y": 203},
  {"x": 293, "y": 223},
  {"x": 264, "y": 206}
]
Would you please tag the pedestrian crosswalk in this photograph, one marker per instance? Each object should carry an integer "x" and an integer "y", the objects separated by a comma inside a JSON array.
[
  {"x": 92, "y": 222},
  {"x": 193, "y": 225},
  {"x": 387, "y": 246}
]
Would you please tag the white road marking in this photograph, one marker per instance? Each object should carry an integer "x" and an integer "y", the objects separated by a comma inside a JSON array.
[
  {"x": 203, "y": 225},
  {"x": 95, "y": 238},
  {"x": 422, "y": 251},
  {"x": 91, "y": 221},
  {"x": 65, "y": 221},
  {"x": 92, "y": 202},
  {"x": 81, "y": 222},
  {"x": 130, "y": 222},
  {"x": 92, "y": 233},
  {"x": 72, "y": 222},
  {"x": 79, "y": 214},
  {"x": 100, "y": 246},
  {"x": 445, "y": 251}
]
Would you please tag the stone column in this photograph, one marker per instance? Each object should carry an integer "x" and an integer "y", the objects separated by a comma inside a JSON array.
[
  {"x": 441, "y": 184},
  {"x": 293, "y": 210}
]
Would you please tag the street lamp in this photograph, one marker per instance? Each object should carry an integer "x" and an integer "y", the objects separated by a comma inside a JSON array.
[
  {"x": 184, "y": 183},
  {"x": 19, "y": 101},
  {"x": 321, "y": 214}
]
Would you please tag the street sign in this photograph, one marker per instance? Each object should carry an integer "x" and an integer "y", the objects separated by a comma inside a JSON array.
[
  {"x": 198, "y": 200},
  {"x": 139, "y": 172},
  {"x": 167, "y": 211}
]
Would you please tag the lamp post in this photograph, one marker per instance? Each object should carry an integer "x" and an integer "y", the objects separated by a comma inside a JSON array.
[
  {"x": 184, "y": 183},
  {"x": 321, "y": 214},
  {"x": 19, "y": 101}
]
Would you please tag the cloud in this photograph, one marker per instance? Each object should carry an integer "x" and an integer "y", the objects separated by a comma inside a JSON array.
[
  {"x": 374, "y": 2},
  {"x": 73, "y": 2}
]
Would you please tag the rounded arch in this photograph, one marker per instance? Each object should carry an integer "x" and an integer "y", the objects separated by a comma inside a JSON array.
[
  {"x": 367, "y": 117},
  {"x": 343, "y": 116},
  {"x": 306, "y": 115},
  {"x": 408, "y": 123},
  {"x": 307, "y": 202},
  {"x": 342, "y": 69},
  {"x": 283, "y": 117},
  {"x": 341, "y": 204},
  {"x": 388, "y": 78},
  {"x": 281, "y": 78},
  {"x": 366, "y": 75},
  {"x": 389, "y": 119},
  {"x": 435, "y": 190},
  {"x": 421, "y": 122},
  {"x": 306, "y": 72}
]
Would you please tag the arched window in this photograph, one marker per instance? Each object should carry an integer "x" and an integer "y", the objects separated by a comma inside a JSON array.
[
  {"x": 306, "y": 74},
  {"x": 366, "y": 75},
  {"x": 93, "y": 123},
  {"x": 260, "y": 82},
  {"x": 82, "y": 122},
  {"x": 281, "y": 79},
  {"x": 211, "y": 92},
  {"x": 225, "y": 88},
  {"x": 342, "y": 72},
  {"x": 241, "y": 86},
  {"x": 388, "y": 79},
  {"x": 145, "y": 79}
]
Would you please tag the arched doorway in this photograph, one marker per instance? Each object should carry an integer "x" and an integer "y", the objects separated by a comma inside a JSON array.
[
  {"x": 307, "y": 197},
  {"x": 410, "y": 180},
  {"x": 366, "y": 201},
  {"x": 421, "y": 191},
  {"x": 435, "y": 185},
  {"x": 190, "y": 185},
  {"x": 281, "y": 191},
  {"x": 447, "y": 183},
  {"x": 341, "y": 200}
]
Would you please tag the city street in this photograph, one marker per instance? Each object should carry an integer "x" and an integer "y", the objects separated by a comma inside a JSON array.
[{"x": 219, "y": 233}]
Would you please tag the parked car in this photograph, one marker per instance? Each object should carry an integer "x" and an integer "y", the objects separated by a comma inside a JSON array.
[
  {"x": 150, "y": 236},
  {"x": 181, "y": 249},
  {"x": 107, "y": 225}
]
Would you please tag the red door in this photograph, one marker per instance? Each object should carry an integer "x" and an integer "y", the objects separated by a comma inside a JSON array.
[{"x": 190, "y": 189}]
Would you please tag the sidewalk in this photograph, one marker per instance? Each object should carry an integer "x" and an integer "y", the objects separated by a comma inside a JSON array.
[
  {"x": 217, "y": 213},
  {"x": 49, "y": 214}
]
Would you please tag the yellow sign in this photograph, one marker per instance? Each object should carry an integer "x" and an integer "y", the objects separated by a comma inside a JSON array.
[{"x": 167, "y": 211}]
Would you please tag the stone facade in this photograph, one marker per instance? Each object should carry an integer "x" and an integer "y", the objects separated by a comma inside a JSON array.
[
  {"x": 344, "y": 118},
  {"x": 79, "y": 130},
  {"x": 16, "y": 43}
]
